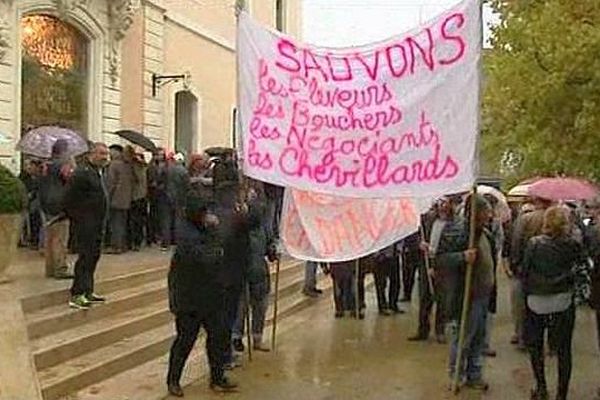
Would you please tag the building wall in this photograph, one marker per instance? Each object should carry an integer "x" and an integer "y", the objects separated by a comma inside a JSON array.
[{"x": 196, "y": 37}]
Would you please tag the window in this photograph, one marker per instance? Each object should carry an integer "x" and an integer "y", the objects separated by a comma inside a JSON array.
[
  {"x": 54, "y": 73},
  {"x": 280, "y": 15}
]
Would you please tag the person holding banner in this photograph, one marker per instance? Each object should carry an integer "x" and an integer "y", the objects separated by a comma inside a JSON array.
[
  {"x": 342, "y": 274},
  {"x": 452, "y": 258}
]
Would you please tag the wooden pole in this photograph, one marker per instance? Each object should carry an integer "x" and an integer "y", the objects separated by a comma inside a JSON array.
[
  {"x": 247, "y": 317},
  {"x": 467, "y": 294},
  {"x": 275, "y": 305}
]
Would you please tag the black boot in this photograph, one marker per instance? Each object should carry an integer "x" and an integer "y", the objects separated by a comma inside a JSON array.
[
  {"x": 175, "y": 390},
  {"x": 223, "y": 384}
]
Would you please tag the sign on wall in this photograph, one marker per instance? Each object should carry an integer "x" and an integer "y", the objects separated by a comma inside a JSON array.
[{"x": 389, "y": 119}]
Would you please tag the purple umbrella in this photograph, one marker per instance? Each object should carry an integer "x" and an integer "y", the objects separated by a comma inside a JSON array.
[{"x": 39, "y": 141}]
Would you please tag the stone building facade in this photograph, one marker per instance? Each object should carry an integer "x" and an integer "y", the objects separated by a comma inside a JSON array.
[{"x": 89, "y": 65}]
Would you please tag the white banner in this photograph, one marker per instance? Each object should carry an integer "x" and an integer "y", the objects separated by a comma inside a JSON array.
[
  {"x": 326, "y": 228},
  {"x": 397, "y": 118}
]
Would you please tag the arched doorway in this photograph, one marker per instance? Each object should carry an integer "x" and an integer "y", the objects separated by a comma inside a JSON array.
[
  {"x": 54, "y": 88},
  {"x": 186, "y": 122}
]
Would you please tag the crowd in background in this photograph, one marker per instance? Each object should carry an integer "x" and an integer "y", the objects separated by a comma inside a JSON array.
[{"x": 550, "y": 254}]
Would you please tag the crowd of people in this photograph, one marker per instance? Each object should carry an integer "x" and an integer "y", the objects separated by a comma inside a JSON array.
[
  {"x": 549, "y": 252},
  {"x": 224, "y": 229}
]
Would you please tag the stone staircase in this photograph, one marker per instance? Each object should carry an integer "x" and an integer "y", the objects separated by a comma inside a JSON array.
[{"x": 89, "y": 354}]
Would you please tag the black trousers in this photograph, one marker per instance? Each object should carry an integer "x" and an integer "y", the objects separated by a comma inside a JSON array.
[
  {"x": 411, "y": 263},
  {"x": 188, "y": 326},
  {"x": 598, "y": 326},
  {"x": 387, "y": 271},
  {"x": 233, "y": 295},
  {"x": 88, "y": 238},
  {"x": 560, "y": 333},
  {"x": 136, "y": 222},
  {"x": 426, "y": 302}
]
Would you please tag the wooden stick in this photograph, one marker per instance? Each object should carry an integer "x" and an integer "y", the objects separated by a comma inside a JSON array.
[
  {"x": 467, "y": 294},
  {"x": 247, "y": 317},
  {"x": 275, "y": 304}
]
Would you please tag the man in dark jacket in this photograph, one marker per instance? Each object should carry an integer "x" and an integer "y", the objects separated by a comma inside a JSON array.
[
  {"x": 196, "y": 295},
  {"x": 591, "y": 238},
  {"x": 52, "y": 193},
  {"x": 452, "y": 258},
  {"x": 86, "y": 203},
  {"x": 120, "y": 182}
]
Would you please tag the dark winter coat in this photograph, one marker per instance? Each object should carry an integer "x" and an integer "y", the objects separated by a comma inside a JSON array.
[
  {"x": 120, "y": 182},
  {"x": 53, "y": 187},
  {"x": 450, "y": 265},
  {"x": 195, "y": 275},
  {"x": 548, "y": 265},
  {"x": 259, "y": 244},
  {"x": 86, "y": 202},
  {"x": 591, "y": 236}
]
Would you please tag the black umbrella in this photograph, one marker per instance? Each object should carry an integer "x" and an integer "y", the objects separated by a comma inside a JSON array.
[
  {"x": 219, "y": 151},
  {"x": 138, "y": 139}
]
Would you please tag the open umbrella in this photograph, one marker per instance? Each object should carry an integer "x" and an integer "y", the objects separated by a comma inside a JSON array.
[
  {"x": 38, "y": 142},
  {"x": 563, "y": 189},
  {"x": 138, "y": 139}
]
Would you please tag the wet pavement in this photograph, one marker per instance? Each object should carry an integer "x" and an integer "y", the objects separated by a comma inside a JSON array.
[{"x": 320, "y": 358}]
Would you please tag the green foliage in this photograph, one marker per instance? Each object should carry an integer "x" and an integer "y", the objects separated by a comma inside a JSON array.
[
  {"x": 542, "y": 89},
  {"x": 12, "y": 192}
]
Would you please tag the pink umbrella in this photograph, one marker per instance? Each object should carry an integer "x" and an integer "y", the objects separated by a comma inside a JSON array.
[{"x": 558, "y": 189}]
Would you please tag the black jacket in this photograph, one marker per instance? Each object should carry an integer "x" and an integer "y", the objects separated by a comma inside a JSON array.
[
  {"x": 86, "y": 198},
  {"x": 52, "y": 189},
  {"x": 548, "y": 265},
  {"x": 451, "y": 267},
  {"x": 195, "y": 275}
]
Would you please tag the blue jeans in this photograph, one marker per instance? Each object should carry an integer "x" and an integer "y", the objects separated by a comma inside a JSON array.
[
  {"x": 310, "y": 276},
  {"x": 259, "y": 302},
  {"x": 472, "y": 361}
]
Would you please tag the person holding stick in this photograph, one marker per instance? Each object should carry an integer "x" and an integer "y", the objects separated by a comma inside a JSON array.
[
  {"x": 257, "y": 275},
  {"x": 430, "y": 289},
  {"x": 451, "y": 262}
]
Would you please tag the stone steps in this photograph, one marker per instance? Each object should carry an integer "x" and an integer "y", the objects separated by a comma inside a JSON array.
[
  {"x": 147, "y": 381},
  {"x": 78, "y": 349}
]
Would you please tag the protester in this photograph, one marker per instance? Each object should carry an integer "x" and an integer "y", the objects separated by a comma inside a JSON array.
[
  {"x": 120, "y": 181},
  {"x": 139, "y": 205},
  {"x": 453, "y": 256},
  {"x": 233, "y": 229},
  {"x": 156, "y": 195},
  {"x": 257, "y": 276},
  {"x": 412, "y": 261},
  {"x": 87, "y": 204},
  {"x": 176, "y": 184},
  {"x": 201, "y": 181},
  {"x": 526, "y": 226},
  {"x": 495, "y": 228},
  {"x": 591, "y": 236},
  {"x": 310, "y": 280},
  {"x": 342, "y": 274},
  {"x": 196, "y": 295},
  {"x": 30, "y": 176},
  {"x": 441, "y": 215},
  {"x": 549, "y": 286},
  {"x": 386, "y": 269},
  {"x": 52, "y": 194}
]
